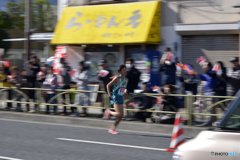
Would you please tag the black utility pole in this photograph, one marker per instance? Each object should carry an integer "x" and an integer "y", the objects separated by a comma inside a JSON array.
[{"x": 27, "y": 28}]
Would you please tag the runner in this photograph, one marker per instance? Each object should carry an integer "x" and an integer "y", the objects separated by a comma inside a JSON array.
[{"x": 119, "y": 88}]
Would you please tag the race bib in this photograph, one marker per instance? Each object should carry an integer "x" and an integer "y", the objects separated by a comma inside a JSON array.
[{"x": 121, "y": 91}]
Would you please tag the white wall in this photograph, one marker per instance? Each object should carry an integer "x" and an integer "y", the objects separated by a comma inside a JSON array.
[
  {"x": 172, "y": 40},
  {"x": 61, "y": 5},
  {"x": 202, "y": 11}
]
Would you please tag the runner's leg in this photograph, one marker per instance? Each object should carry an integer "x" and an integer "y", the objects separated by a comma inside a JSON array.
[{"x": 118, "y": 113}]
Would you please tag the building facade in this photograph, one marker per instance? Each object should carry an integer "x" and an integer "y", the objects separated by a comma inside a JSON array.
[{"x": 191, "y": 28}]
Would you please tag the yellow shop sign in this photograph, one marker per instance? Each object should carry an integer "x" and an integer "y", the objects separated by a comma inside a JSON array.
[{"x": 118, "y": 23}]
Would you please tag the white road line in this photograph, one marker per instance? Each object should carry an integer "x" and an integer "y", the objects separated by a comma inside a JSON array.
[
  {"x": 111, "y": 144},
  {"x": 9, "y": 158}
]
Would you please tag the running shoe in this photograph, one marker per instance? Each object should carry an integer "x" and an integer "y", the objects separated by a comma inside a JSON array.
[
  {"x": 106, "y": 114},
  {"x": 113, "y": 131}
]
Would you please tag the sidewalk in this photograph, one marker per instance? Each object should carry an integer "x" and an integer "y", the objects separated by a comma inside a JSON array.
[{"x": 97, "y": 122}]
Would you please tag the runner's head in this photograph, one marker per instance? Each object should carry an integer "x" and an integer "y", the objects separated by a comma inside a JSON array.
[{"x": 122, "y": 69}]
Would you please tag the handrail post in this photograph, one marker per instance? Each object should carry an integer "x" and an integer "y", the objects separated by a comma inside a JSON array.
[
  {"x": 38, "y": 99},
  {"x": 106, "y": 101},
  {"x": 189, "y": 109}
]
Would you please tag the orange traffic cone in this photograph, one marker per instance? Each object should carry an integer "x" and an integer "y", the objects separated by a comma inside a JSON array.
[{"x": 177, "y": 135}]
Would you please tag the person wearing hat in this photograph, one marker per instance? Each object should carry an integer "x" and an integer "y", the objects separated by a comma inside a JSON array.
[
  {"x": 104, "y": 75},
  {"x": 234, "y": 78}
]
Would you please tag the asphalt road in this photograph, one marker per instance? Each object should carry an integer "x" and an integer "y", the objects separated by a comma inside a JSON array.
[{"x": 38, "y": 141}]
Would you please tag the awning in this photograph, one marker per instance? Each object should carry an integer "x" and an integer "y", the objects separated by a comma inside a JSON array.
[
  {"x": 109, "y": 24},
  {"x": 207, "y": 28},
  {"x": 35, "y": 37}
]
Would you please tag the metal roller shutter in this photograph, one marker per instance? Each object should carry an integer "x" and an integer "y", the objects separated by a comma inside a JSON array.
[{"x": 214, "y": 47}]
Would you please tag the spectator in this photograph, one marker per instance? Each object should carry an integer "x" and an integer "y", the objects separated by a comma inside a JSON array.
[
  {"x": 83, "y": 85},
  {"x": 104, "y": 77},
  {"x": 3, "y": 77},
  {"x": 133, "y": 76},
  {"x": 64, "y": 72},
  {"x": 73, "y": 87},
  {"x": 220, "y": 88},
  {"x": 50, "y": 83},
  {"x": 169, "y": 104},
  {"x": 33, "y": 69},
  {"x": 145, "y": 103},
  {"x": 28, "y": 79},
  {"x": 234, "y": 78},
  {"x": 7, "y": 72},
  {"x": 16, "y": 80},
  {"x": 209, "y": 78},
  {"x": 190, "y": 82},
  {"x": 167, "y": 65}
]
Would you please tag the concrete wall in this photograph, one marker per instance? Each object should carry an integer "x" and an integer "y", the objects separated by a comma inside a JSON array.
[{"x": 200, "y": 11}]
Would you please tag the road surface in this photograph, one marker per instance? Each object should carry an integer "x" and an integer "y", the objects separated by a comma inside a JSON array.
[{"x": 40, "y": 141}]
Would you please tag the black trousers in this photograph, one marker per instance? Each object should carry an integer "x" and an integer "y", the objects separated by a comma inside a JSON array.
[
  {"x": 64, "y": 98},
  {"x": 10, "y": 98}
]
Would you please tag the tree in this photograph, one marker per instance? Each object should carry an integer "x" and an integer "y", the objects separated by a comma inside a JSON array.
[
  {"x": 42, "y": 15},
  {"x": 16, "y": 13},
  {"x": 4, "y": 44},
  {"x": 5, "y": 20}
]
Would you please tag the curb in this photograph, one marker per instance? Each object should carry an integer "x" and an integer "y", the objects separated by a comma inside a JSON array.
[{"x": 94, "y": 122}]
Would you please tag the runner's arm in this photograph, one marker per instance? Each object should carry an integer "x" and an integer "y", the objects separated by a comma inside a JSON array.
[
  {"x": 114, "y": 81},
  {"x": 126, "y": 88}
]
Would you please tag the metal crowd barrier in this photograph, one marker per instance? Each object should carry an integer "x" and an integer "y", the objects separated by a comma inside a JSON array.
[{"x": 189, "y": 100}]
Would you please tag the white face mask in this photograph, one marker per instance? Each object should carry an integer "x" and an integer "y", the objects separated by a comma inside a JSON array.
[
  {"x": 128, "y": 65},
  {"x": 167, "y": 62}
]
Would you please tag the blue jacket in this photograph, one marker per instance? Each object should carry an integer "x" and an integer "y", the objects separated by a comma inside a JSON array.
[{"x": 211, "y": 78}]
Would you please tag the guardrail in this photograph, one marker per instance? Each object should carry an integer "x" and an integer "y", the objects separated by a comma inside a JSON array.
[{"x": 203, "y": 113}]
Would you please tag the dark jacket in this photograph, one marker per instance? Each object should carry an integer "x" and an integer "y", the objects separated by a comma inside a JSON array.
[
  {"x": 133, "y": 76},
  {"x": 233, "y": 79},
  {"x": 35, "y": 69},
  {"x": 31, "y": 78},
  {"x": 169, "y": 103},
  {"x": 170, "y": 72},
  {"x": 221, "y": 86},
  {"x": 65, "y": 76},
  {"x": 146, "y": 101},
  {"x": 32, "y": 75},
  {"x": 211, "y": 80},
  {"x": 193, "y": 82},
  {"x": 104, "y": 81}
]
